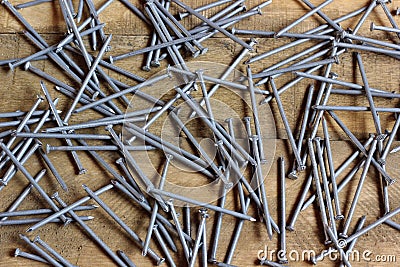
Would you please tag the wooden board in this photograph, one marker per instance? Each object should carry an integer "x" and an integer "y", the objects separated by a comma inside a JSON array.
[{"x": 18, "y": 90}]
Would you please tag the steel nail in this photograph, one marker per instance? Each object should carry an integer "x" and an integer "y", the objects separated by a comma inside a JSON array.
[
  {"x": 19, "y": 253},
  {"x": 12, "y": 170},
  {"x": 301, "y": 167},
  {"x": 355, "y": 108},
  {"x": 179, "y": 230},
  {"x": 306, "y": 188},
  {"x": 204, "y": 262},
  {"x": 370, "y": 48},
  {"x": 118, "y": 119},
  {"x": 315, "y": 30},
  {"x": 350, "y": 214},
  {"x": 297, "y": 67},
  {"x": 199, "y": 237},
  {"x": 134, "y": 236},
  {"x": 224, "y": 13},
  {"x": 17, "y": 202},
  {"x": 261, "y": 187},
  {"x": 185, "y": 32},
  {"x": 163, "y": 33},
  {"x": 90, "y": 74},
  {"x": 271, "y": 263},
  {"x": 228, "y": 71},
  {"x": 317, "y": 184},
  {"x": 123, "y": 92},
  {"x": 282, "y": 239},
  {"x": 18, "y": 15},
  {"x": 135, "y": 10},
  {"x": 176, "y": 27},
  {"x": 50, "y": 148},
  {"x": 15, "y": 149},
  {"x": 217, "y": 229},
  {"x": 37, "y": 135},
  {"x": 293, "y": 173},
  {"x": 56, "y": 255},
  {"x": 374, "y": 27},
  {"x": 81, "y": 169},
  {"x": 148, "y": 63},
  {"x": 32, "y": 3},
  {"x": 222, "y": 264},
  {"x": 147, "y": 207},
  {"x": 368, "y": 10},
  {"x": 68, "y": 208},
  {"x": 163, "y": 246},
  {"x": 236, "y": 235},
  {"x": 187, "y": 222},
  {"x": 36, "y": 220},
  {"x": 229, "y": 20},
  {"x": 359, "y": 226},
  {"x": 79, "y": 39},
  {"x": 125, "y": 258},
  {"x": 90, "y": 232},
  {"x": 128, "y": 174},
  {"x": 40, "y": 251},
  {"x": 39, "y": 211},
  {"x": 155, "y": 208},
  {"x": 393, "y": 224},
  {"x": 23, "y": 123},
  {"x": 369, "y": 96},
  {"x": 202, "y": 204},
  {"x": 333, "y": 24},
  {"x": 32, "y": 180},
  {"x": 312, "y": 12},
  {"x": 212, "y": 24},
  {"x": 229, "y": 142},
  {"x": 80, "y": 11},
  {"x": 323, "y": 171},
  {"x": 339, "y": 215},
  {"x": 392, "y": 21},
  {"x": 388, "y": 145},
  {"x": 388, "y": 179},
  {"x": 338, "y": 245},
  {"x": 341, "y": 169},
  {"x": 288, "y": 85},
  {"x": 373, "y": 225},
  {"x": 254, "y": 108},
  {"x": 182, "y": 15},
  {"x": 334, "y": 81},
  {"x": 202, "y": 152}
]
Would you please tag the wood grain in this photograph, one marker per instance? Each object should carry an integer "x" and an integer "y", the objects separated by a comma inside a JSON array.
[{"x": 18, "y": 90}]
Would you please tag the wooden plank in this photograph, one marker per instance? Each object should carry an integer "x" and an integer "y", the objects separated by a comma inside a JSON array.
[{"x": 129, "y": 33}]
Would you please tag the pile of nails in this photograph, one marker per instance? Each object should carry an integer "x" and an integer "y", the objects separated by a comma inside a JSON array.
[{"x": 25, "y": 131}]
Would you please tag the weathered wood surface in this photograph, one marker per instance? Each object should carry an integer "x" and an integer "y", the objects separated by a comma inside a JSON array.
[{"x": 18, "y": 89}]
